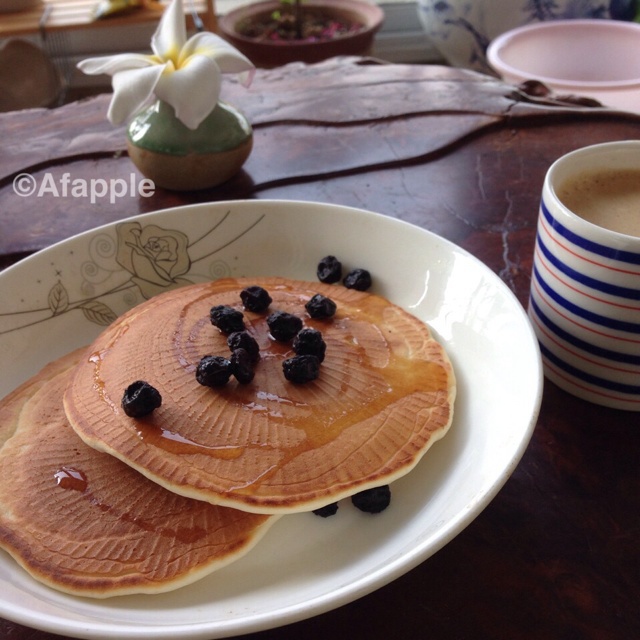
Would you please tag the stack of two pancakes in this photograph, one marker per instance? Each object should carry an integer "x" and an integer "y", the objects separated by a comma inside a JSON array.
[{"x": 96, "y": 503}]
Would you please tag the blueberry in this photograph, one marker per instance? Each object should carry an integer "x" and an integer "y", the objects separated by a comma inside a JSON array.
[
  {"x": 373, "y": 500},
  {"x": 255, "y": 298},
  {"x": 244, "y": 340},
  {"x": 329, "y": 270},
  {"x": 241, "y": 366},
  {"x": 301, "y": 369},
  {"x": 283, "y": 325},
  {"x": 140, "y": 399},
  {"x": 226, "y": 318},
  {"x": 623, "y": 9},
  {"x": 320, "y": 307},
  {"x": 359, "y": 279},
  {"x": 309, "y": 342},
  {"x": 327, "y": 510},
  {"x": 213, "y": 371}
]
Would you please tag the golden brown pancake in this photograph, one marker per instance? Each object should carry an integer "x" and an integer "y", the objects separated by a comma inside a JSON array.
[
  {"x": 12, "y": 404},
  {"x": 384, "y": 395},
  {"x": 84, "y": 523}
]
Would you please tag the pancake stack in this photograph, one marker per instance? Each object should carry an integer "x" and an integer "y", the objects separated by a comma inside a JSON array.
[{"x": 102, "y": 503}]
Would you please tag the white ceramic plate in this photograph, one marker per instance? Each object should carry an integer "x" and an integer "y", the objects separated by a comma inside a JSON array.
[{"x": 56, "y": 300}]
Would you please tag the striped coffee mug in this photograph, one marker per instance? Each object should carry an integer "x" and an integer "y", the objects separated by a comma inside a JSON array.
[{"x": 585, "y": 285}]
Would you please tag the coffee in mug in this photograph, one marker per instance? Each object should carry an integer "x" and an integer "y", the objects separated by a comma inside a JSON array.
[{"x": 609, "y": 198}]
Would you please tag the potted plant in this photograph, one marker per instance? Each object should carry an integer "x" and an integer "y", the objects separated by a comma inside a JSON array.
[{"x": 274, "y": 32}]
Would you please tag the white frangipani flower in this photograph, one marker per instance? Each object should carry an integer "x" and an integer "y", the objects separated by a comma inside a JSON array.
[{"x": 187, "y": 74}]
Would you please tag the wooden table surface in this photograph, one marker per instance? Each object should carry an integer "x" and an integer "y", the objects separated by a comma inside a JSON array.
[{"x": 557, "y": 553}]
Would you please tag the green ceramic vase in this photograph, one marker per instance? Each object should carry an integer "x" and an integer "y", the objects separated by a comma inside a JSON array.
[{"x": 182, "y": 159}]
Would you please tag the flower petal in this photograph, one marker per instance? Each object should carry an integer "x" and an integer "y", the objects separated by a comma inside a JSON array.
[
  {"x": 192, "y": 91},
  {"x": 113, "y": 64},
  {"x": 131, "y": 89},
  {"x": 171, "y": 34},
  {"x": 228, "y": 58},
  {"x": 185, "y": 74}
]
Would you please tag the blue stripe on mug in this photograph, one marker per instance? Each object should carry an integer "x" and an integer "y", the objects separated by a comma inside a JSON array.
[
  {"x": 594, "y": 247},
  {"x": 595, "y": 318},
  {"x": 598, "y": 285},
  {"x": 620, "y": 387},
  {"x": 587, "y": 347}
]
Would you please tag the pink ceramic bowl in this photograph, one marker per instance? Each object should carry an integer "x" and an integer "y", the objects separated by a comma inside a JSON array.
[{"x": 594, "y": 58}]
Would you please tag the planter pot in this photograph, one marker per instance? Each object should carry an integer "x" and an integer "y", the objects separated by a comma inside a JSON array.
[
  {"x": 268, "y": 54},
  {"x": 462, "y": 30},
  {"x": 178, "y": 158}
]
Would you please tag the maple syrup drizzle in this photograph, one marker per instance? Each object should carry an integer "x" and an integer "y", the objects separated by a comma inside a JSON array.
[
  {"x": 186, "y": 535},
  {"x": 178, "y": 444},
  {"x": 71, "y": 478},
  {"x": 322, "y": 432},
  {"x": 96, "y": 359}
]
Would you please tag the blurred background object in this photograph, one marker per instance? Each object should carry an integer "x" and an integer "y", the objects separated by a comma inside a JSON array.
[
  {"x": 598, "y": 59},
  {"x": 28, "y": 77},
  {"x": 68, "y": 31},
  {"x": 462, "y": 29},
  {"x": 15, "y": 6}
]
